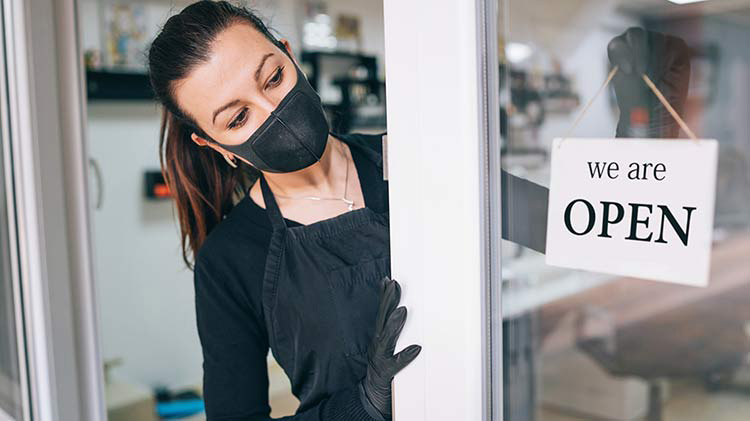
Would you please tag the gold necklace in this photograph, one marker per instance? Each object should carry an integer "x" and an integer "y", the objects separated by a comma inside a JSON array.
[{"x": 349, "y": 202}]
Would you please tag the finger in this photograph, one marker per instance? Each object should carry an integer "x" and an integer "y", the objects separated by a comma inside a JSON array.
[
  {"x": 388, "y": 303},
  {"x": 393, "y": 328},
  {"x": 383, "y": 283},
  {"x": 620, "y": 55},
  {"x": 676, "y": 73},
  {"x": 393, "y": 297},
  {"x": 382, "y": 304},
  {"x": 680, "y": 51},
  {"x": 381, "y": 293},
  {"x": 405, "y": 357},
  {"x": 397, "y": 286},
  {"x": 637, "y": 40},
  {"x": 624, "y": 51}
]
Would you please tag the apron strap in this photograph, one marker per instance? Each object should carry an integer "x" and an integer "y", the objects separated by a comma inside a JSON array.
[{"x": 274, "y": 213}]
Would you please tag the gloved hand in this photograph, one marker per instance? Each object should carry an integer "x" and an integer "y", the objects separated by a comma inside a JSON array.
[
  {"x": 382, "y": 365},
  {"x": 665, "y": 59}
]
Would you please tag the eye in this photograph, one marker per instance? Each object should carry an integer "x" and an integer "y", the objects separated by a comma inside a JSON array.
[
  {"x": 276, "y": 78},
  {"x": 240, "y": 119}
]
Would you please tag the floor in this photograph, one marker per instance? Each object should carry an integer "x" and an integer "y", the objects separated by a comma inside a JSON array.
[{"x": 688, "y": 401}]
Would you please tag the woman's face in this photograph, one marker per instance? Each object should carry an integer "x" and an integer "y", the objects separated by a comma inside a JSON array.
[{"x": 231, "y": 94}]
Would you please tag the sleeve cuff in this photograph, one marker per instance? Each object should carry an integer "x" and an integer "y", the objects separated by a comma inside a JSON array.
[
  {"x": 350, "y": 405},
  {"x": 371, "y": 411}
]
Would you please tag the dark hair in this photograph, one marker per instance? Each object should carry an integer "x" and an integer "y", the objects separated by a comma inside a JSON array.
[{"x": 202, "y": 184}]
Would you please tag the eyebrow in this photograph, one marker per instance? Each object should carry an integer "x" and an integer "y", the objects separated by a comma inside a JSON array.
[
  {"x": 260, "y": 66},
  {"x": 237, "y": 101}
]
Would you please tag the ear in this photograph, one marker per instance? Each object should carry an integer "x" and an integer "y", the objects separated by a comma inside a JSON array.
[
  {"x": 288, "y": 48},
  {"x": 198, "y": 140}
]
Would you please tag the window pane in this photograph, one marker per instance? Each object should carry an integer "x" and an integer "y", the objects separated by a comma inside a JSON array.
[
  {"x": 587, "y": 346},
  {"x": 10, "y": 397}
]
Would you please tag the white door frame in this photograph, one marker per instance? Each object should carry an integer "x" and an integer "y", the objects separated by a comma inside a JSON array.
[
  {"x": 442, "y": 127},
  {"x": 46, "y": 92}
]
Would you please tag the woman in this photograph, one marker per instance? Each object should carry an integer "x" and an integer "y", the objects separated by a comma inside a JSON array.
[{"x": 299, "y": 262}]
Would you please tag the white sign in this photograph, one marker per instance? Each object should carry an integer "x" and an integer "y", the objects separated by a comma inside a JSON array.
[{"x": 633, "y": 207}]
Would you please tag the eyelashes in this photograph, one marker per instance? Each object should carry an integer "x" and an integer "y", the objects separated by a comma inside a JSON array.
[
  {"x": 240, "y": 119},
  {"x": 276, "y": 78},
  {"x": 274, "y": 81}
]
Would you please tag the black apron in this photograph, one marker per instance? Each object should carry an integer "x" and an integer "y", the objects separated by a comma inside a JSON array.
[{"x": 320, "y": 293}]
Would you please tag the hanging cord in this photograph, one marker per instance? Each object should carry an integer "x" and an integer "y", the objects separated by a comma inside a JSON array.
[
  {"x": 653, "y": 88},
  {"x": 669, "y": 108},
  {"x": 591, "y": 101}
]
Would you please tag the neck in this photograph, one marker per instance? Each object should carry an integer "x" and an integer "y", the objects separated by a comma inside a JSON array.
[{"x": 323, "y": 178}]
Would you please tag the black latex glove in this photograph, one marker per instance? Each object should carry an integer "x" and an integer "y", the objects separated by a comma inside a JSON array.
[
  {"x": 665, "y": 59},
  {"x": 382, "y": 365}
]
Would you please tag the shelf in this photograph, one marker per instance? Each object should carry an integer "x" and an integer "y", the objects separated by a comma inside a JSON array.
[
  {"x": 345, "y": 81},
  {"x": 118, "y": 85},
  {"x": 311, "y": 54}
]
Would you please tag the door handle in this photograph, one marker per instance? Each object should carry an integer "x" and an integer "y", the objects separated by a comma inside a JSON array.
[{"x": 97, "y": 171}]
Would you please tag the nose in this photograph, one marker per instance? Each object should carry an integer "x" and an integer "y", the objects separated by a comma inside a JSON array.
[{"x": 265, "y": 105}]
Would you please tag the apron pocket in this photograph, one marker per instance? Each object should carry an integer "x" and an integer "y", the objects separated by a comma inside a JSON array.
[{"x": 355, "y": 291}]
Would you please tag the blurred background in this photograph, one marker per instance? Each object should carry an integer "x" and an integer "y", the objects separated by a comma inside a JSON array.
[
  {"x": 590, "y": 346},
  {"x": 147, "y": 314}
]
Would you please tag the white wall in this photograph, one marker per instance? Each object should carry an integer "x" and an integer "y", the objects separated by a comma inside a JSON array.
[{"x": 145, "y": 293}]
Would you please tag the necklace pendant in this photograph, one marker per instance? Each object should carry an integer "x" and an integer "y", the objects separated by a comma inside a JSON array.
[{"x": 348, "y": 202}]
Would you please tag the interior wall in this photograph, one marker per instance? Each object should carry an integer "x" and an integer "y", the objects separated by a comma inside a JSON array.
[{"x": 145, "y": 292}]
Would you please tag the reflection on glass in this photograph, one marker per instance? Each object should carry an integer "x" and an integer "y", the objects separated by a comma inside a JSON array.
[
  {"x": 10, "y": 398},
  {"x": 591, "y": 346}
]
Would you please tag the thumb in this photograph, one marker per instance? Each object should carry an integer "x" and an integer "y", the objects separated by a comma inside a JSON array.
[{"x": 406, "y": 356}]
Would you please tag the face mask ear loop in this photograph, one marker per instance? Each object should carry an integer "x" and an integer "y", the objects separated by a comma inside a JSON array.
[{"x": 231, "y": 161}]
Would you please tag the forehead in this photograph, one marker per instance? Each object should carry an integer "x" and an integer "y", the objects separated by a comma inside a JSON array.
[{"x": 235, "y": 52}]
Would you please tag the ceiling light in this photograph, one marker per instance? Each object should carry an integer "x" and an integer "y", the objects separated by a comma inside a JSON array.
[
  {"x": 685, "y": 1},
  {"x": 517, "y": 52}
]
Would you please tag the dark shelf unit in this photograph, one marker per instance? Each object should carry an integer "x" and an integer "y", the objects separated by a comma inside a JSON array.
[
  {"x": 314, "y": 59},
  {"x": 118, "y": 85},
  {"x": 343, "y": 114}
]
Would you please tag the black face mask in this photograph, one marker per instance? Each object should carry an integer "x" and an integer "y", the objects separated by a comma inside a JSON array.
[{"x": 293, "y": 137}]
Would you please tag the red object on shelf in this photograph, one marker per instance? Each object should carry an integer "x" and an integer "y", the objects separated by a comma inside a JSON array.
[{"x": 161, "y": 190}]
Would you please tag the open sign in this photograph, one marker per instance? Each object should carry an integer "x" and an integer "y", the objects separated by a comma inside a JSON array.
[
  {"x": 634, "y": 207},
  {"x": 639, "y": 215}
]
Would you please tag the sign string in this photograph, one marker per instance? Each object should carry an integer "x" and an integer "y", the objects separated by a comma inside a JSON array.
[
  {"x": 591, "y": 101},
  {"x": 653, "y": 88},
  {"x": 669, "y": 108}
]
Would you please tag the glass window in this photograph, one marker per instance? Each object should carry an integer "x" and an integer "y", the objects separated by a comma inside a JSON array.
[
  {"x": 591, "y": 346},
  {"x": 10, "y": 380}
]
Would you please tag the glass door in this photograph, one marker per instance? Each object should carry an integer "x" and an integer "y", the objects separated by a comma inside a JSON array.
[
  {"x": 13, "y": 381},
  {"x": 579, "y": 345}
]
